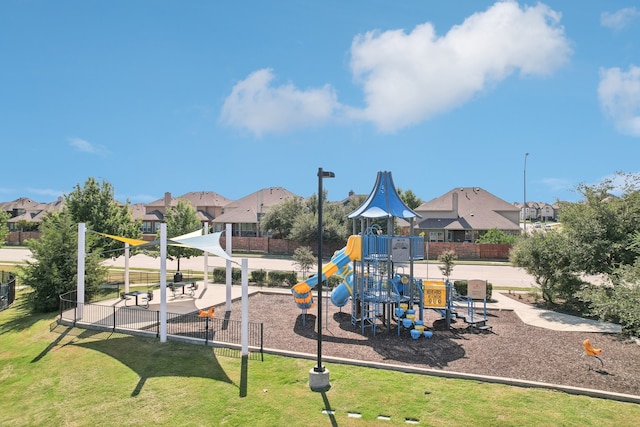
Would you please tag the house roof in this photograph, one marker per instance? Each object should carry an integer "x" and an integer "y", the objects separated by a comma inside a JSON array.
[
  {"x": 246, "y": 209},
  {"x": 467, "y": 208},
  {"x": 196, "y": 198},
  {"x": 383, "y": 201},
  {"x": 33, "y": 211}
]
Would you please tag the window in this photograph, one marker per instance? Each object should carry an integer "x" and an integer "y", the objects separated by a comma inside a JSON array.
[
  {"x": 436, "y": 236},
  {"x": 147, "y": 227}
]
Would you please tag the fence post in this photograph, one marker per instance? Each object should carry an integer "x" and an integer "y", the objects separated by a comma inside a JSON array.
[
  {"x": 114, "y": 318},
  {"x": 206, "y": 330},
  {"x": 261, "y": 342}
]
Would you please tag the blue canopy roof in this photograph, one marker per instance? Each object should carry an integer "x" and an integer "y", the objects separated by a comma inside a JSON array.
[{"x": 383, "y": 201}]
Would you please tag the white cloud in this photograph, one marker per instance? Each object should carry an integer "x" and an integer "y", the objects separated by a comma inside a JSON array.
[
  {"x": 620, "y": 19},
  {"x": 46, "y": 192},
  {"x": 260, "y": 107},
  {"x": 408, "y": 78},
  {"x": 558, "y": 184},
  {"x": 619, "y": 94},
  {"x": 87, "y": 147}
]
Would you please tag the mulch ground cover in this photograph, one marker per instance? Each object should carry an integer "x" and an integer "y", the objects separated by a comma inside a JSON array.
[{"x": 513, "y": 349}]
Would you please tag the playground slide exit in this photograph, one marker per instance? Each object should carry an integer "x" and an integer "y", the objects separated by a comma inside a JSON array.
[{"x": 339, "y": 264}]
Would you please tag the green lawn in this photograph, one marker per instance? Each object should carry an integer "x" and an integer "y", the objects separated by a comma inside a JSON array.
[{"x": 75, "y": 377}]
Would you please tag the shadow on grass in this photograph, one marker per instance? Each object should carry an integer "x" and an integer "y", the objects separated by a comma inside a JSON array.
[
  {"x": 327, "y": 409},
  {"x": 63, "y": 331},
  {"x": 148, "y": 358},
  {"x": 19, "y": 315}
]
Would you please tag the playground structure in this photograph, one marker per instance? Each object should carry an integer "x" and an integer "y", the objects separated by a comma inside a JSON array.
[{"x": 378, "y": 275}]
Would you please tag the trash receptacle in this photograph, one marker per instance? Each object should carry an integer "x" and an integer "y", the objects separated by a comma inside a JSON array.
[{"x": 177, "y": 277}]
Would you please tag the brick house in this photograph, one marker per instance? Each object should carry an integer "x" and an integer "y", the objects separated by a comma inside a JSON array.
[{"x": 464, "y": 214}]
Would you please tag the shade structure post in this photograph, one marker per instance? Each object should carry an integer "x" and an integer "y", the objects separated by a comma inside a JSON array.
[
  {"x": 163, "y": 282},
  {"x": 228, "y": 265},
  {"x": 126, "y": 266},
  {"x": 245, "y": 308},
  {"x": 82, "y": 229}
]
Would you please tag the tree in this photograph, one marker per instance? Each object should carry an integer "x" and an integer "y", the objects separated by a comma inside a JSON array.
[
  {"x": 618, "y": 300},
  {"x": 495, "y": 236},
  {"x": 54, "y": 270},
  {"x": 447, "y": 259},
  {"x": 336, "y": 225},
  {"x": 4, "y": 231},
  {"x": 548, "y": 257},
  {"x": 181, "y": 219},
  {"x": 409, "y": 198},
  {"x": 280, "y": 218},
  {"x": 602, "y": 226},
  {"x": 304, "y": 259},
  {"x": 94, "y": 204}
]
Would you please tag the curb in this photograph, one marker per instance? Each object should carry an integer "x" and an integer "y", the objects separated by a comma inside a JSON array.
[{"x": 600, "y": 394}]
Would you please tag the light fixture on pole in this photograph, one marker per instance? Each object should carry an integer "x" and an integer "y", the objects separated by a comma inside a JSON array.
[
  {"x": 524, "y": 204},
  {"x": 319, "y": 375}
]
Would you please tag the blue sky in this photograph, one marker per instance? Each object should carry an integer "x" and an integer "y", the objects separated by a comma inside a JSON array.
[{"x": 231, "y": 97}]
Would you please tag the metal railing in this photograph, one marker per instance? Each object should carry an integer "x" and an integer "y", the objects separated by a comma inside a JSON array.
[
  {"x": 216, "y": 331},
  {"x": 7, "y": 289}
]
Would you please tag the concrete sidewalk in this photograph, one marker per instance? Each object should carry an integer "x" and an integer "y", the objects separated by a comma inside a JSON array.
[
  {"x": 215, "y": 294},
  {"x": 550, "y": 319}
]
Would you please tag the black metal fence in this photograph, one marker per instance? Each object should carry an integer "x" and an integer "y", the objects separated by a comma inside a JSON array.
[
  {"x": 205, "y": 330},
  {"x": 116, "y": 277},
  {"x": 7, "y": 289}
]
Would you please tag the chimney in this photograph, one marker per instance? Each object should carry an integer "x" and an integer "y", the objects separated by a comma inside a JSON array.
[
  {"x": 167, "y": 201},
  {"x": 454, "y": 206}
]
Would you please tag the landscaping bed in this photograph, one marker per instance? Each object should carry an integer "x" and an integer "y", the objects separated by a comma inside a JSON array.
[{"x": 513, "y": 349}]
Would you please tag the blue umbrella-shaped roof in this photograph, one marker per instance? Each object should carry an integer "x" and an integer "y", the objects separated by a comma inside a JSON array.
[{"x": 383, "y": 201}]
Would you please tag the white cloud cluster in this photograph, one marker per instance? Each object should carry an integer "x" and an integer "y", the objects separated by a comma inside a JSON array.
[
  {"x": 619, "y": 95},
  {"x": 87, "y": 147},
  {"x": 408, "y": 78},
  {"x": 46, "y": 192},
  {"x": 619, "y": 19},
  {"x": 255, "y": 104}
]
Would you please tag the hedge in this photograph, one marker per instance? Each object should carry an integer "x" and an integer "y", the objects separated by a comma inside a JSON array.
[
  {"x": 220, "y": 275},
  {"x": 282, "y": 279},
  {"x": 461, "y": 287}
]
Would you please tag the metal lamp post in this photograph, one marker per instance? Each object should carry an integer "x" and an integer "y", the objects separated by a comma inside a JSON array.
[
  {"x": 524, "y": 204},
  {"x": 319, "y": 375}
]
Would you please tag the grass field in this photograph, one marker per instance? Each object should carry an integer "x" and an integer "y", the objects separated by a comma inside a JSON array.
[{"x": 57, "y": 376}]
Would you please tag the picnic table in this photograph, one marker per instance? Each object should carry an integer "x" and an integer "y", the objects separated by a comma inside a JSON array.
[
  {"x": 142, "y": 297},
  {"x": 181, "y": 289}
]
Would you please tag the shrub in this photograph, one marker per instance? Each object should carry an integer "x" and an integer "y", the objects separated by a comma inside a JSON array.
[
  {"x": 220, "y": 275},
  {"x": 258, "y": 276},
  {"x": 334, "y": 281},
  {"x": 461, "y": 287},
  {"x": 618, "y": 304},
  {"x": 281, "y": 279}
]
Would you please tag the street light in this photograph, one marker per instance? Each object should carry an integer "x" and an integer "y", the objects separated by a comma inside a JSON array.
[
  {"x": 319, "y": 376},
  {"x": 524, "y": 204}
]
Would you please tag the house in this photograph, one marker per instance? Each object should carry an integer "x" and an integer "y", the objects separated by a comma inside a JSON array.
[
  {"x": 244, "y": 214},
  {"x": 538, "y": 211},
  {"x": 464, "y": 214},
  {"x": 208, "y": 205},
  {"x": 26, "y": 214}
]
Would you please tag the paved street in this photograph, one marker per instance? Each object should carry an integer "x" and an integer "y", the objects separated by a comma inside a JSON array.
[{"x": 498, "y": 275}]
